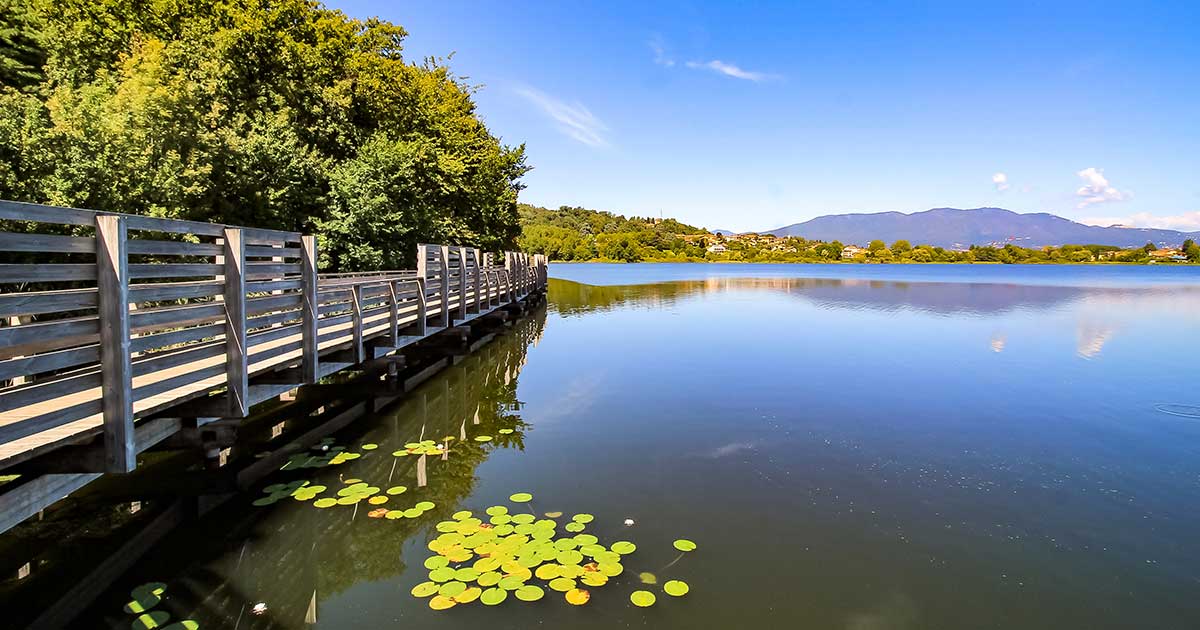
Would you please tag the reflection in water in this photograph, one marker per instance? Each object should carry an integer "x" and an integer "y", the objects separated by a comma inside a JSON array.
[
  {"x": 291, "y": 559},
  {"x": 1090, "y": 340}
]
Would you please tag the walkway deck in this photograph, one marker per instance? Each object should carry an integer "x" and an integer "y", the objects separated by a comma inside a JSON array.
[{"x": 122, "y": 325}]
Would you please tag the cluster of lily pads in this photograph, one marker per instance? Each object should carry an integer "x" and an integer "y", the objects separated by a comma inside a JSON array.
[
  {"x": 328, "y": 453},
  {"x": 424, "y": 447},
  {"x": 145, "y": 598},
  {"x": 474, "y": 560}
]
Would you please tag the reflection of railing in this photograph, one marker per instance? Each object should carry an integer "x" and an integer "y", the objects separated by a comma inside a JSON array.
[{"x": 138, "y": 315}]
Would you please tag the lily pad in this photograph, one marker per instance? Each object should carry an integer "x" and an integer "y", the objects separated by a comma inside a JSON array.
[
  {"x": 676, "y": 588},
  {"x": 685, "y": 545},
  {"x": 493, "y": 596},
  {"x": 505, "y": 431},
  {"x": 186, "y": 624},
  {"x": 554, "y": 514},
  {"x": 483, "y": 438},
  {"x": 425, "y": 589},
  {"x": 154, "y": 619},
  {"x": 441, "y": 602},
  {"x": 577, "y": 596},
  {"x": 491, "y": 578},
  {"x": 442, "y": 574},
  {"x": 394, "y": 490},
  {"x": 623, "y": 547},
  {"x": 583, "y": 518},
  {"x": 529, "y": 593},
  {"x": 521, "y": 497},
  {"x": 642, "y": 599},
  {"x": 469, "y": 595},
  {"x": 377, "y": 500},
  {"x": 369, "y": 447},
  {"x": 424, "y": 506},
  {"x": 327, "y": 502},
  {"x": 574, "y": 528},
  {"x": 142, "y": 604},
  {"x": 562, "y": 584},
  {"x": 511, "y": 583},
  {"x": 648, "y": 578},
  {"x": 452, "y": 588}
]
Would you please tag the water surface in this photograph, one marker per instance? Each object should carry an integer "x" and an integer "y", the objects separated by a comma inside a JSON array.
[{"x": 851, "y": 447}]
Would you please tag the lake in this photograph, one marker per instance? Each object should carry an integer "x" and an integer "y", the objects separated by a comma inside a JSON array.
[{"x": 848, "y": 446}]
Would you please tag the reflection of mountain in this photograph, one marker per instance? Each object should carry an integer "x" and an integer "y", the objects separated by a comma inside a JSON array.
[
  {"x": 941, "y": 298},
  {"x": 218, "y": 568}
]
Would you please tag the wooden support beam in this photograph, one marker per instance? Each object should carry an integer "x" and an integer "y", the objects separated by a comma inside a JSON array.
[
  {"x": 463, "y": 305},
  {"x": 308, "y": 326},
  {"x": 116, "y": 369},
  {"x": 236, "y": 367},
  {"x": 445, "y": 320},
  {"x": 356, "y": 319},
  {"x": 422, "y": 311}
]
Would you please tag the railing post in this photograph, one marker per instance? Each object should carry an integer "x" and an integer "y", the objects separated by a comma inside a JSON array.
[
  {"x": 478, "y": 301},
  {"x": 422, "y": 309},
  {"x": 394, "y": 313},
  {"x": 445, "y": 270},
  {"x": 310, "y": 301},
  {"x": 116, "y": 366},
  {"x": 236, "y": 363},
  {"x": 357, "y": 324},
  {"x": 463, "y": 307}
]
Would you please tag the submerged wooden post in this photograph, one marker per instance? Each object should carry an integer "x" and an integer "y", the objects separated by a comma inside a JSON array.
[
  {"x": 237, "y": 376},
  {"x": 116, "y": 367},
  {"x": 308, "y": 285}
]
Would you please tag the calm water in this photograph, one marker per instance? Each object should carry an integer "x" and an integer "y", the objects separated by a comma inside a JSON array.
[{"x": 851, "y": 447}]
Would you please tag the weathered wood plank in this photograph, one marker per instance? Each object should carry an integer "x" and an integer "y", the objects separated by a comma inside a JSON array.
[
  {"x": 46, "y": 243},
  {"x": 236, "y": 367},
  {"x": 174, "y": 270},
  {"x": 39, "y": 302},
  {"x": 116, "y": 369},
  {"x": 58, "y": 272},
  {"x": 311, "y": 358}
]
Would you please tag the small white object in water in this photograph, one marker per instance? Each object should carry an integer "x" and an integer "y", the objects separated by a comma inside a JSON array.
[
  {"x": 324, "y": 447},
  {"x": 259, "y": 608},
  {"x": 628, "y": 522}
]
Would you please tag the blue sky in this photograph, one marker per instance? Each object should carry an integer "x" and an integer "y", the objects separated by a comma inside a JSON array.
[{"x": 751, "y": 116}]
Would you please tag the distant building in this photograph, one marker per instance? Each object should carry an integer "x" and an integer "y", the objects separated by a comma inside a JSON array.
[
  {"x": 850, "y": 251},
  {"x": 1168, "y": 254},
  {"x": 717, "y": 248}
]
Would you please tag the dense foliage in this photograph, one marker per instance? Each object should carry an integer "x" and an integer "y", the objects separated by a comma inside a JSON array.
[
  {"x": 577, "y": 234},
  {"x": 279, "y": 114}
]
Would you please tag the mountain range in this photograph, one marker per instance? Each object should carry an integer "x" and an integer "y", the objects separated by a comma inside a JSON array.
[{"x": 958, "y": 228}]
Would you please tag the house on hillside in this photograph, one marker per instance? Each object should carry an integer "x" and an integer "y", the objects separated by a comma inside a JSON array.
[
  {"x": 1168, "y": 254},
  {"x": 850, "y": 251},
  {"x": 717, "y": 248}
]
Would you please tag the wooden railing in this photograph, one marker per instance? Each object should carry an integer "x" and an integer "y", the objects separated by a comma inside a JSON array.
[{"x": 111, "y": 318}]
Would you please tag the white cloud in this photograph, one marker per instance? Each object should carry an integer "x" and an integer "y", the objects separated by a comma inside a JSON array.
[
  {"x": 1000, "y": 180},
  {"x": 1186, "y": 222},
  {"x": 1096, "y": 188},
  {"x": 573, "y": 119},
  {"x": 730, "y": 70},
  {"x": 660, "y": 53}
]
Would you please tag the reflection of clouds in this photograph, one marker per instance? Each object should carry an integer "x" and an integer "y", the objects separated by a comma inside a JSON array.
[
  {"x": 998, "y": 342},
  {"x": 1090, "y": 340},
  {"x": 732, "y": 448},
  {"x": 580, "y": 393},
  {"x": 895, "y": 612}
]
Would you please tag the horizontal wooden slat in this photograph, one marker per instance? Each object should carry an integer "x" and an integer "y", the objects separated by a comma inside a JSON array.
[
  {"x": 281, "y": 317},
  {"x": 18, "y": 341},
  {"x": 174, "y": 270},
  {"x": 270, "y": 270},
  {"x": 50, "y": 361},
  {"x": 64, "y": 272},
  {"x": 162, "y": 291},
  {"x": 259, "y": 251},
  {"x": 171, "y": 317},
  {"x": 18, "y": 211},
  {"x": 39, "y": 302},
  {"x": 173, "y": 226},
  {"x": 160, "y": 361},
  {"x": 146, "y": 343},
  {"x": 47, "y": 243},
  {"x": 173, "y": 248},
  {"x": 258, "y": 306},
  {"x": 272, "y": 285}
]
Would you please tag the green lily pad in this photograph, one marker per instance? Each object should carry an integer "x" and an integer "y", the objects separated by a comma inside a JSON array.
[
  {"x": 442, "y": 574},
  {"x": 648, "y": 578},
  {"x": 450, "y": 589},
  {"x": 425, "y": 589},
  {"x": 676, "y": 588},
  {"x": 154, "y": 619},
  {"x": 496, "y": 510},
  {"x": 529, "y": 593},
  {"x": 493, "y": 596},
  {"x": 483, "y": 438},
  {"x": 424, "y": 506},
  {"x": 623, "y": 547},
  {"x": 583, "y": 518},
  {"x": 466, "y": 574},
  {"x": 523, "y": 519},
  {"x": 149, "y": 588},
  {"x": 685, "y": 545},
  {"x": 186, "y": 624},
  {"x": 265, "y": 501},
  {"x": 436, "y": 562},
  {"x": 562, "y": 584},
  {"x": 511, "y": 583},
  {"x": 369, "y": 447},
  {"x": 642, "y": 599},
  {"x": 574, "y": 527},
  {"x": 491, "y": 578},
  {"x": 569, "y": 556},
  {"x": 413, "y": 513},
  {"x": 461, "y": 515},
  {"x": 142, "y": 604},
  {"x": 521, "y": 497},
  {"x": 505, "y": 431}
]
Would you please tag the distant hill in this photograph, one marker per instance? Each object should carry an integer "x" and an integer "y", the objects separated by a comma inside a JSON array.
[
  {"x": 955, "y": 228},
  {"x": 721, "y": 232}
]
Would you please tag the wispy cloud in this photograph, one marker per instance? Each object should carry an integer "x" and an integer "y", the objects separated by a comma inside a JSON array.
[
  {"x": 1186, "y": 222},
  {"x": 660, "y": 52},
  {"x": 1000, "y": 181},
  {"x": 1096, "y": 188},
  {"x": 730, "y": 70},
  {"x": 573, "y": 119}
]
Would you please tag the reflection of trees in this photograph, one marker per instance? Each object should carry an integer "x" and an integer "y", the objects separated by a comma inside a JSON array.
[
  {"x": 219, "y": 568},
  {"x": 570, "y": 298}
]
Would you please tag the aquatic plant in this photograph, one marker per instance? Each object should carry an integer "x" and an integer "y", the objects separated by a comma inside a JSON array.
[{"x": 145, "y": 598}]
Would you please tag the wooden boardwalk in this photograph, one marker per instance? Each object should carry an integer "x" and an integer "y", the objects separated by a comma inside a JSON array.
[{"x": 131, "y": 327}]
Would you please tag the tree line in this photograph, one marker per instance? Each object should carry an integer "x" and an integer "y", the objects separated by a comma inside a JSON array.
[
  {"x": 281, "y": 114},
  {"x": 579, "y": 234}
]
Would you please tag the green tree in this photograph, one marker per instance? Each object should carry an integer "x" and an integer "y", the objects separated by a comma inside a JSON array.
[
  {"x": 876, "y": 245},
  {"x": 901, "y": 247}
]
